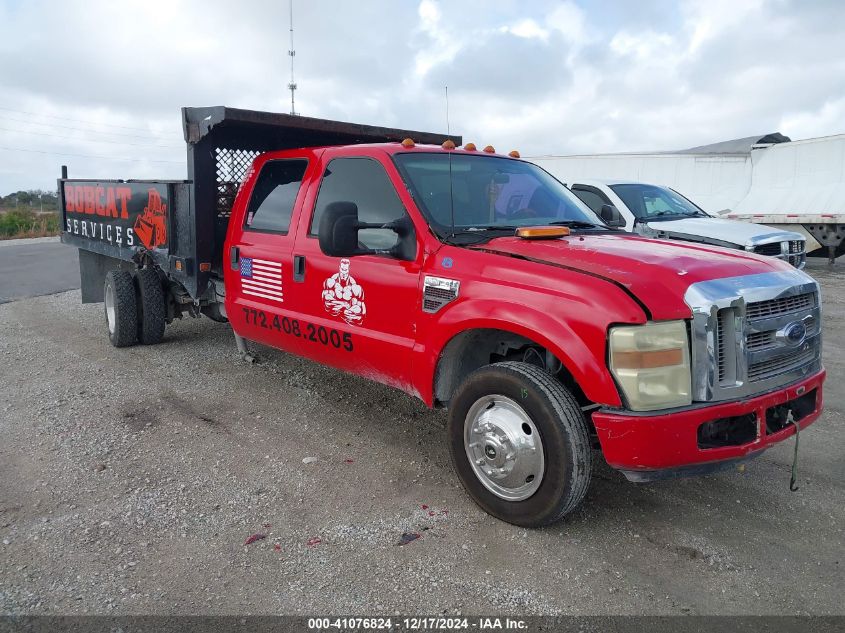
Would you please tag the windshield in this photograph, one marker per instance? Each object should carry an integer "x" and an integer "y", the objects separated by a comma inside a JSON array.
[
  {"x": 649, "y": 202},
  {"x": 487, "y": 192}
]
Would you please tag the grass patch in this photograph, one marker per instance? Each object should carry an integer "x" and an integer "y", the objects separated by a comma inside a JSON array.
[{"x": 17, "y": 224}]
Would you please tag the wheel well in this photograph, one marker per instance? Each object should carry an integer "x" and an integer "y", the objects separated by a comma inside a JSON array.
[{"x": 473, "y": 349}]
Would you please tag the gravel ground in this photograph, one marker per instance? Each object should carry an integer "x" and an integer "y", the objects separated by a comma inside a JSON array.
[{"x": 131, "y": 479}]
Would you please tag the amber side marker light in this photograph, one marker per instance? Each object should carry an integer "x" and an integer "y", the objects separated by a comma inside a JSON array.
[
  {"x": 648, "y": 359},
  {"x": 542, "y": 232},
  {"x": 408, "y": 142}
]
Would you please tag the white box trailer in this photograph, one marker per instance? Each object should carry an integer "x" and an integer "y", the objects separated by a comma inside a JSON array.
[
  {"x": 800, "y": 183},
  {"x": 791, "y": 185}
]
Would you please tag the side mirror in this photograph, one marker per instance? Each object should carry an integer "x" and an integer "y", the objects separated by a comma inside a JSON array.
[
  {"x": 338, "y": 230},
  {"x": 611, "y": 216},
  {"x": 338, "y": 233}
]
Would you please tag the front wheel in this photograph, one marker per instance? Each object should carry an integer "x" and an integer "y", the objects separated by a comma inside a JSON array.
[{"x": 519, "y": 443}]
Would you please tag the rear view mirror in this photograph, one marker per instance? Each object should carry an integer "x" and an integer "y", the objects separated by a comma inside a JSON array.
[
  {"x": 611, "y": 216},
  {"x": 338, "y": 233}
]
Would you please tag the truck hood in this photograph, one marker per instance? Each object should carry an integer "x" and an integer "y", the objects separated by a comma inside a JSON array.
[
  {"x": 656, "y": 273},
  {"x": 720, "y": 230}
]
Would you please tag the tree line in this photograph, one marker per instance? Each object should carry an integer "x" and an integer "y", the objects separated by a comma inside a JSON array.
[{"x": 34, "y": 200}]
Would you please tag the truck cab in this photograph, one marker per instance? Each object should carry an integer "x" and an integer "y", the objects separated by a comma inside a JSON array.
[
  {"x": 475, "y": 282},
  {"x": 465, "y": 277},
  {"x": 657, "y": 211}
]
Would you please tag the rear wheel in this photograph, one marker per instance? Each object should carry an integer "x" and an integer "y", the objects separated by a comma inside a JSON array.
[
  {"x": 519, "y": 443},
  {"x": 152, "y": 309},
  {"x": 121, "y": 308}
]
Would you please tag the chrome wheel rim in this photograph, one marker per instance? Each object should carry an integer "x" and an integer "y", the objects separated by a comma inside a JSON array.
[
  {"x": 111, "y": 318},
  {"x": 504, "y": 448}
]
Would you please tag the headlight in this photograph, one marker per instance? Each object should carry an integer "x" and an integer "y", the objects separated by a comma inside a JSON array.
[{"x": 651, "y": 364}]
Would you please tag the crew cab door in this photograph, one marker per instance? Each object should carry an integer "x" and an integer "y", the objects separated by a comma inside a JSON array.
[
  {"x": 357, "y": 313},
  {"x": 258, "y": 273}
]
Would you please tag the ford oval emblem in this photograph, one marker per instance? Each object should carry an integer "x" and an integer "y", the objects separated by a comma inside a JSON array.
[{"x": 794, "y": 333}]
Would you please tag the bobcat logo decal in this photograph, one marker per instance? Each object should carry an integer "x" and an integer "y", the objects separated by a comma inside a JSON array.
[{"x": 151, "y": 225}]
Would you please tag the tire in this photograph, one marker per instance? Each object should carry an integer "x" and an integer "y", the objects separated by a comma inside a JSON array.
[
  {"x": 121, "y": 308},
  {"x": 152, "y": 308},
  {"x": 501, "y": 394}
]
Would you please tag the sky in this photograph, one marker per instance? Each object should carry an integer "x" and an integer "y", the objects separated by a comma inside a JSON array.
[{"x": 97, "y": 85}]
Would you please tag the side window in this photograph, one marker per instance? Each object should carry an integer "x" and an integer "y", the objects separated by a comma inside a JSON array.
[
  {"x": 271, "y": 205},
  {"x": 364, "y": 182},
  {"x": 591, "y": 198}
]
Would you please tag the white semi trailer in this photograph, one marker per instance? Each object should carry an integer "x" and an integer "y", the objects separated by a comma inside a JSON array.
[{"x": 791, "y": 185}]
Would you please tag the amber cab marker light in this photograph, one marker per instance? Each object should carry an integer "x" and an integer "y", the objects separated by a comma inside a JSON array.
[
  {"x": 448, "y": 144},
  {"x": 490, "y": 149},
  {"x": 470, "y": 147},
  {"x": 542, "y": 232},
  {"x": 513, "y": 153},
  {"x": 408, "y": 142}
]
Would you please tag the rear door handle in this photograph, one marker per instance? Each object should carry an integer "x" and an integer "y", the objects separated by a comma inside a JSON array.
[
  {"x": 235, "y": 257},
  {"x": 299, "y": 268}
]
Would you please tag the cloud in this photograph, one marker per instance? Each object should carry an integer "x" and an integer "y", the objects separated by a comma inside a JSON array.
[
  {"x": 505, "y": 67},
  {"x": 98, "y": 85}
]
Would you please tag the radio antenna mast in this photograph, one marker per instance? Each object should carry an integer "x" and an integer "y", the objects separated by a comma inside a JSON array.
[
  {"x": 292, "y": 54},
  {"x": 448, "y": 131}
]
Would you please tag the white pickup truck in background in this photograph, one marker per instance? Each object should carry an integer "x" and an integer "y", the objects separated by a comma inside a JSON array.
[
  {"x": 763, "y": 179},
  {"x": 655, "y": 211}
]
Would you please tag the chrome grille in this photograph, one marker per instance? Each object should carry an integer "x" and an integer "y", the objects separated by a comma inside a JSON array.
[
  {"x": 772, "y": 249},
  {"x": 788, "y": 246},
  {"x": 742, "y": 333},
  {"x": 773, "y": 367},
  {"x": 726, "y": 345},
  {"x": 777, "y": 307},
  {"x": 720, "y": 346},
  {"x": 759, "y": 340}
]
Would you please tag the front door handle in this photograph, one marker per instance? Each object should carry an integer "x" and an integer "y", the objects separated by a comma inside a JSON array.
[
  {"x": 299, "y": 268},
  {"x": 235, "y": 257}
]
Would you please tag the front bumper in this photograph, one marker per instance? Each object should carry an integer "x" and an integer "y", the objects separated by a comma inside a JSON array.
[{"x": 651, "y": 446}]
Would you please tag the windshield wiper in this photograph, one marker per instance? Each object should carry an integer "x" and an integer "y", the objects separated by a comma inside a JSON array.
[
  {"x": 477, "y": 234},
  {"x": 483, "y": 229},
  {"x": 679, "y": 214},
  {"x": 578, "y": 224}
]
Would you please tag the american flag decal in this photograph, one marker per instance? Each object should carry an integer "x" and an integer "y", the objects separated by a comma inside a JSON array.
[{"x": 262, "y": 278}]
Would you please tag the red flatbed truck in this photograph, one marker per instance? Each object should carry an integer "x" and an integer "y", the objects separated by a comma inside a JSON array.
[{"x": 471, "y": 280}]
